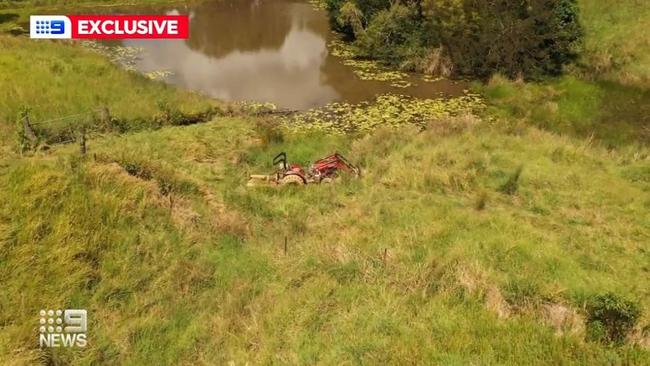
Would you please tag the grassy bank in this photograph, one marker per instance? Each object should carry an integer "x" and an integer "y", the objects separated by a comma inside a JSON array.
[
  {"x": 612, "y": 113},
  {"x": 57, "y": 79},
  {"x": 426, "y": 257}
]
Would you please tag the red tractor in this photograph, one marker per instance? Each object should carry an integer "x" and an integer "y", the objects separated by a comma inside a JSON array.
[{"x": 321, "y": 171}]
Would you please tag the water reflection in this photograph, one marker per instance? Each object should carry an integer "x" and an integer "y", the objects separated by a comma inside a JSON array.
[{"x": 272, "y": 50}]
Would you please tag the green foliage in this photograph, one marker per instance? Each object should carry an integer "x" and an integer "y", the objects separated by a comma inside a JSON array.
[
  {"x": 611, "y": 318},
  {"x": 149, "y": 275},
  {"x": 366, "y": 8},
  {"x": 616, "y": 46},
  {"x": 393, "y": 35},
  {"x": 269, "y": 131},
  {"x": 530, "y": 38},
  {"x": 334, "y": 12}
]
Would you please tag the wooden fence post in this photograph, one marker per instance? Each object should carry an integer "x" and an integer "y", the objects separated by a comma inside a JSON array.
[
  {"x": 105, "y": 117},
  {"x": 82, "y": 140},
  {"x": 28, "y": 131}
]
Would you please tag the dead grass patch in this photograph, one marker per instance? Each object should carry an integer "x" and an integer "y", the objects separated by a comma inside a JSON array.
[{"x": 563, "y": 319}]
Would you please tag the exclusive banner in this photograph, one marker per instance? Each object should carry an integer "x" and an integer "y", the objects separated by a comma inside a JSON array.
[{"x": 109, "y": 26}]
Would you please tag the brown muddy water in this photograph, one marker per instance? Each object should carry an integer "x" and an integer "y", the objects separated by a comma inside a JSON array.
[{"x": 266, "y": 51}]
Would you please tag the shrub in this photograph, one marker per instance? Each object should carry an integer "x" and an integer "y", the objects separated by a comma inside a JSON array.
[
  {"x": 394, "y": 35},
  {"x": 269, "y": 132},
  {"x": 611, "y": 318},
  {"x": 334, "y": 11},
  {"x": 530, "y": 38}
]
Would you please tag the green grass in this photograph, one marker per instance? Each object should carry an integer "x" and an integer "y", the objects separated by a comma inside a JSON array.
[
  {"x": 55, "y": 79},
  {"x": 437, "y": 255},
  {"x": 610, "y": 112},
  {"x": 606, "y": 96},
  {"x": 208, "y": 281},
  {"x": 616, "y": 43}
]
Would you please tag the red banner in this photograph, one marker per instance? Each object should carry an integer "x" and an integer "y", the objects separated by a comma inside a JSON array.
[{"x": 130, "y": 26}]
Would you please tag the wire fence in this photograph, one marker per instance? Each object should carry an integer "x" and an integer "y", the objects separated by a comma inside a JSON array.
[
  {"x": 64, "y": 118},
  {"x": 70, "y": 133}
]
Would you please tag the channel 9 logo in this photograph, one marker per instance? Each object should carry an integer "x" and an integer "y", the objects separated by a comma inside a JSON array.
[
  {"x": 109, "y": 26},
  {"x": 50, "y": 27},
  {"x": 63, "y": 328}
]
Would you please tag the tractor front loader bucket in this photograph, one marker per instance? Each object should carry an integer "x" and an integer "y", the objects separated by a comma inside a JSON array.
[{"x": 261, "y": 180}]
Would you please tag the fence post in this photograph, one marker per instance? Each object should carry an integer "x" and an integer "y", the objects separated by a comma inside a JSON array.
[
  {"x": 82, "y": 140},
  {"x": 28, "y": 131},
  {"x": 105, "y": 117}
]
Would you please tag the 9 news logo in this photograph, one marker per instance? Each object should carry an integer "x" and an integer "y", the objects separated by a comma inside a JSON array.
[
  {"x": 63, "y": 328},
  {"x": 109, "y": 26},
  {"x": 50, "y": 27}
]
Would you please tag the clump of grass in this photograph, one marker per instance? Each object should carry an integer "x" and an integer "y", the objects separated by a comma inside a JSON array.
[
  {"x": 269, "y": 131},
  {"x": 167, "y": 179},
  {"x": 481, "y": 200},
  {"x": 511, "y": 186}
]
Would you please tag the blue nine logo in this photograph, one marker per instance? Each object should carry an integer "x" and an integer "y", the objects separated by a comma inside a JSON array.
[{"x": 53, "y": 27}]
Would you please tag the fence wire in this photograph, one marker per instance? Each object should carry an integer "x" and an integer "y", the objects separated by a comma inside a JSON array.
[{"x": 63, "y": 118}]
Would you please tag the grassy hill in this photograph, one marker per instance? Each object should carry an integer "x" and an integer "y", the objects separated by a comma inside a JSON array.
[
  {"x": 426, "y": 257},
  {"x": 482, "y": 239}
]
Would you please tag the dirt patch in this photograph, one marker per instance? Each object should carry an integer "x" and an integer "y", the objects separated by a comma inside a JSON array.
[
  {"x": 475, "y": 281},
  {"x": 182, "y": 213},
  {"x": 496, "y": 303},
  {"x": 563, "y": 319}
]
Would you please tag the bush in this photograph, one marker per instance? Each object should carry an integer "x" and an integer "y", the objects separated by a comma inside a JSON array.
[
  {"x": 611, "y": 318},
  {"x": 367, "y": 9},
  {"x": 394, "y": 36},
  {"x": 269, "y": 132},
  {"x": 528, "y": 38}
]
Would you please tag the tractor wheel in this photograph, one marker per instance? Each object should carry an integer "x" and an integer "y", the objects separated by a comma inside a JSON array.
[{"x": 292, "y": 179}]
